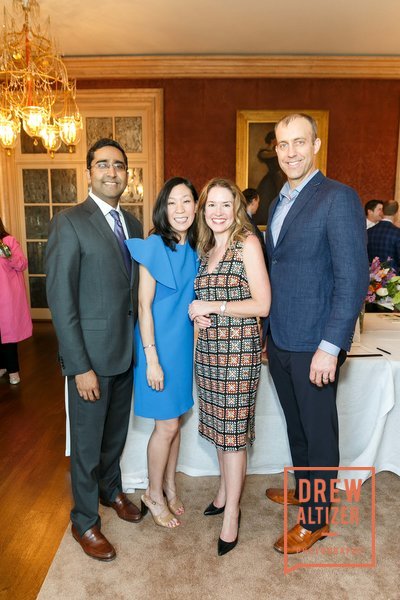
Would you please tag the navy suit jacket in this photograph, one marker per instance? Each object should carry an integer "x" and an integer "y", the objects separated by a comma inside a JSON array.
[
  {"x": 319, "y": 267},
  {"x": 384, "y": 242}
]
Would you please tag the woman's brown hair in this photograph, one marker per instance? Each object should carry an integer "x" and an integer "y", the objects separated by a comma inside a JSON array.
[
  {"x": 3, "y": 232},
  {"x": 240, "y": 228}
]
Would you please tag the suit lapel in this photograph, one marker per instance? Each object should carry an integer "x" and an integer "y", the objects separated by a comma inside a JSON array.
[
  {"x": 131, "y": 234},
  {"x": 305, "y": 196},
  {"x": 268, "y": 238},
  {"x": 100, "y": 222},
  {"x": 128, "y": 223}
]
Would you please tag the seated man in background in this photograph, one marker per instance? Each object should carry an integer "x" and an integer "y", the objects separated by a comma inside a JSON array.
[
  {"x": 253, "y": 202},
  {"x": 373, "y": 212},
  {"x": 384, "y": 238}
]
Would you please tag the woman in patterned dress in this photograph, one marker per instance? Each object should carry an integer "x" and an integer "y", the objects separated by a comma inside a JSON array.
[{"x": 232, "y": 287}]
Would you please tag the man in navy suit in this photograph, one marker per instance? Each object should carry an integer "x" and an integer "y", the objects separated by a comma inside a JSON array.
[
  {"x": 318, "y": 265},
  {"x": 384, "y": 238}
]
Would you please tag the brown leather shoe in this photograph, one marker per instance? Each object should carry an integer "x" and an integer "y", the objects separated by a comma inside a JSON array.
[
  {"x": 300, "y": 539},
  {"x": 95, "y": 544},
  {"x": 124, "y": 508},
  {"x": 276, "y": 495}
]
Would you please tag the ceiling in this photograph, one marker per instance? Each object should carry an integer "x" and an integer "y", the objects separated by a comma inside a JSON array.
[{"x": 156, "y": 27}]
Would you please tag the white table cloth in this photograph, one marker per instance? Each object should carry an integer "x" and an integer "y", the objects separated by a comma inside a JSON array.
[{"x": 368, "y": 406}]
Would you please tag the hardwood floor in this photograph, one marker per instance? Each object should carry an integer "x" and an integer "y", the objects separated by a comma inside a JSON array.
[{"x": 35, "y": 495}]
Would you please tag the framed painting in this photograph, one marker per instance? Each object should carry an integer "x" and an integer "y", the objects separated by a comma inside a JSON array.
[{"x": 256, "y": 160}]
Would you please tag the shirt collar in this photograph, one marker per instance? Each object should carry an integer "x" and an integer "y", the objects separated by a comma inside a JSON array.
[
  {"x": 289, "y": 193},
  {"x": 103, "y": 206}
]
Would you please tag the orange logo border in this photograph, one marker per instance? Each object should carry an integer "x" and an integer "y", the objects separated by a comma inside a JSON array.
[{"x": 369, "y": 565}]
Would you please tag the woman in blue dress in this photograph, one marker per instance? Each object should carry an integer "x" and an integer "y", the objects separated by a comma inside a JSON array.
[{"x": 163, "y": 373}]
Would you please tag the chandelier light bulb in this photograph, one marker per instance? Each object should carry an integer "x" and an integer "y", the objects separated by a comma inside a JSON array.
[
  {"x": 50, "y": 138},
  {"x": 33, "y": 120},
  {"x": 9, "y": 130},
  {"x": 70, "y": 130}
]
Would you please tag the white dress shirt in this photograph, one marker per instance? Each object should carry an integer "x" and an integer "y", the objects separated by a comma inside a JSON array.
[{"x": 106, "y": 210}]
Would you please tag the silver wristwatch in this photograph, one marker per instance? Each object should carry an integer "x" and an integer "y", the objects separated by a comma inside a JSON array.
[{"x": 222, "y": 308}]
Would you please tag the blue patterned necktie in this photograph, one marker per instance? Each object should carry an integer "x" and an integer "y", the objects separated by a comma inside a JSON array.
[{"x": 119, "y": 233}]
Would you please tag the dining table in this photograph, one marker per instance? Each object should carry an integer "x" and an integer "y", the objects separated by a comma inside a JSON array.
[{"x": 368, "y": 400}]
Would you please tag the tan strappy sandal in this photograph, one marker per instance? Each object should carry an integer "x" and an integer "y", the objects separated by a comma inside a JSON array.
[
  {"x": 176, "y": 506},
  {"x": 164, "y": 518}
]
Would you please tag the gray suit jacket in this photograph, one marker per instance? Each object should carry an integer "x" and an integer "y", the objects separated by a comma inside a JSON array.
[
  {"x": 92, "y": 299},
  {"x": 318, "y": 267}
]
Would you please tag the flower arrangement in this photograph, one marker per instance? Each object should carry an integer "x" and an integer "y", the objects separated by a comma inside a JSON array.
[{"x": 384, "y": 285}]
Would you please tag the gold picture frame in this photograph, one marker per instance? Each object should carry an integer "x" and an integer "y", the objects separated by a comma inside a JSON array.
[{"x": 256, "y": 161}]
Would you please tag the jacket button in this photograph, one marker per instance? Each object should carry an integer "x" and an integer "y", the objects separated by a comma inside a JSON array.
[{"x": 274, "y": 261}]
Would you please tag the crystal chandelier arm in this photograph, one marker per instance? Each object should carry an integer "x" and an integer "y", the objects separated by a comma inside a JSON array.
[{"x": 36, "y": 87}]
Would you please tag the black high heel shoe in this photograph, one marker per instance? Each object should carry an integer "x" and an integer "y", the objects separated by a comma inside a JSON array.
[
  {"x": 144, "y": 509},
  {"x": 212, "y": 510},
  {"x": 225, "y": 547}
]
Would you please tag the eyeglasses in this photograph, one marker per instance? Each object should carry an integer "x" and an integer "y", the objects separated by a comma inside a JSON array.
[{"x": 105, "y": 166}]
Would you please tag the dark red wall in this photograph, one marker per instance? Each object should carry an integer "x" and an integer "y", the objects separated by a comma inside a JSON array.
[{"x": 200, "y": 124}]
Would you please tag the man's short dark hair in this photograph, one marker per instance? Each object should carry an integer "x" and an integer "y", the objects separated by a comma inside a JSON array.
[
  {"x": 371, "y": 205},
  {"x": 102, "y": 144},
  {"x": 390, "y": 208},
  {"x": 250, "y": 194}
]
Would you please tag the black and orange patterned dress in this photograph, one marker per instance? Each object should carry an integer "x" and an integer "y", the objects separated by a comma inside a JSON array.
[{"x": 228, "y": 357}]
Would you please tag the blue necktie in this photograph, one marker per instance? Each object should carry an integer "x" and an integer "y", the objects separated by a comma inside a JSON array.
[{"x": 119, "y": 233}]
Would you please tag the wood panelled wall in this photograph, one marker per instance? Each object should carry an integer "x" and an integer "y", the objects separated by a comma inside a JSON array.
[{"x": 200, "y": 124}]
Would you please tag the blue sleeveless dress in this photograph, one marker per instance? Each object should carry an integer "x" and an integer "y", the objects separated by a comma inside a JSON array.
[{"x": 174, "y": 272}]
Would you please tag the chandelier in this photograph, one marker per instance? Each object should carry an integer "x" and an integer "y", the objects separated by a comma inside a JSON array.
[{"x": 35, "y": 89}]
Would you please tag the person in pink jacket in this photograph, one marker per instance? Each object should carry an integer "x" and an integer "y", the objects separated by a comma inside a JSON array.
[{"x": 15, "y": 318}]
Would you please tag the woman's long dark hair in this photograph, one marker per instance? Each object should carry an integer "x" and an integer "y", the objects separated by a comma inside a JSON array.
[
  {"x": 3, "y": 232},
  {"x": 161, "y": 225}
]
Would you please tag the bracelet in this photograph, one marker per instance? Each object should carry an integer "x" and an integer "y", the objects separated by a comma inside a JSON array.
[{"x": 149, "y": 346}]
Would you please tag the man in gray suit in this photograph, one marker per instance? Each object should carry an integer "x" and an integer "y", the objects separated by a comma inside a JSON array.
[
  {"x": 92, "y": 295},
  {"x": 318, "y": 267}
]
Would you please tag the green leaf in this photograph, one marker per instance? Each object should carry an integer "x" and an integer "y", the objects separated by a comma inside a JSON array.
[{"x": 396, "y": 298}]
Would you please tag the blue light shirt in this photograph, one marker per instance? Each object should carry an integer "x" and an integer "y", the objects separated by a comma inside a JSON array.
[{"x": 287, "y": 196}]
